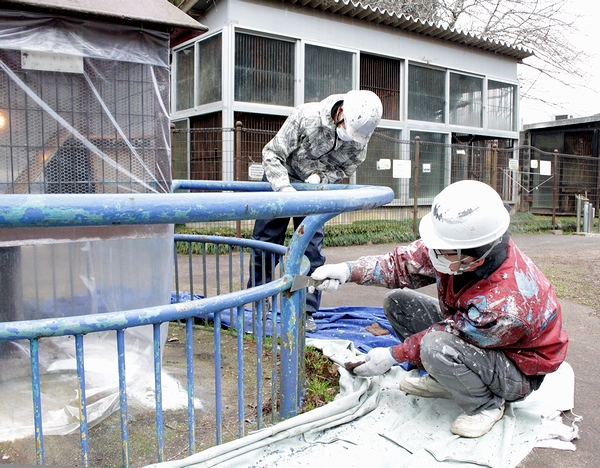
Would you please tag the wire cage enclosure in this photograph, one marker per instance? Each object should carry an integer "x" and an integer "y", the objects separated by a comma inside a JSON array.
[{"x": 83, "y": 110}]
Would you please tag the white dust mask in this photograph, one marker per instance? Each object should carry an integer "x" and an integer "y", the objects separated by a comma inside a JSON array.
[
  {"x": 343, "y": 134},
  {"x": 442, "y": 264}
]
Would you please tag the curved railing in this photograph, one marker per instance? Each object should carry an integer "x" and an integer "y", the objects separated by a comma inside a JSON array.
[{"x": 232, "y": 201}]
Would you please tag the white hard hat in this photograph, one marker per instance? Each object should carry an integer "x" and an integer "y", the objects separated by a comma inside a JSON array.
[
  {"x": 465, "y": 215},
  {"x": 362, "y": 114}
]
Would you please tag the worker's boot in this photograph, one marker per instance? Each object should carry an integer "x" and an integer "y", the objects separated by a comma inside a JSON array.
[
  {"x": 425, "y": 387},
  {"x": 478, "y": 424},
  {"x": 310, "y": 325}
]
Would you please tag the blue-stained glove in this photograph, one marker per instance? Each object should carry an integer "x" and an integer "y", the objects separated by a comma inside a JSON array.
[{"x": 377, "y": 361}]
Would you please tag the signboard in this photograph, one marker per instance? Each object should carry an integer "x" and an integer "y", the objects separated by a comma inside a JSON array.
[
  {"x": 384, "y": 164},
  {"x": 31, "y": 60},
  {"x": 545, "y": 168},
  {"x": 401, "y": 169},
  {"x": 255, "y": 172}
]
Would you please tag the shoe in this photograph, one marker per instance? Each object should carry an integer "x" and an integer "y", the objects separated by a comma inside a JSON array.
[
  {"x": 425, "y": 387},
  {"x": 310, "y": 326},
  {"x": 478, "y": 424}
]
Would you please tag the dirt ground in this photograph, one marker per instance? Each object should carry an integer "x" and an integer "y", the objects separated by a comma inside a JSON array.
[
  {"x": 105, "y": 438},
  {"x": 571, "y": 263}
]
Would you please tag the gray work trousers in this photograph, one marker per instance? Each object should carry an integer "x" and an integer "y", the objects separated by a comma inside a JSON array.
[{"x": 478, "y": 378}]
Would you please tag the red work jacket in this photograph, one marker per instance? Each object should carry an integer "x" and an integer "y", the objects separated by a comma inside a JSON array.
[{"x": 514, "y": 310}]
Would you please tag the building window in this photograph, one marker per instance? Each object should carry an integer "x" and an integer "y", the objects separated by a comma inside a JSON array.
[
  {"x": 264, "y": 70},
  {"x": 426, "y": 94},
  {"x": 382, "y": 76},
  {"x": 466, "y": 100},
  {"x": 432, "y": 164},
  {"x": 209, "y": 70},
  {"x": 501, "y": 105},
  {"x": 184, "y": 73},
  {"x": 327, "y": 71}
]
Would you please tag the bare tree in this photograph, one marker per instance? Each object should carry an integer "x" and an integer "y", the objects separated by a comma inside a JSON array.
[{"x": 543, "y": 26}]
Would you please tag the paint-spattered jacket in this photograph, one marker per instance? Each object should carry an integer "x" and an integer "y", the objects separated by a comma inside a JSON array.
[
  {"x": 307, "y": 144},
  {"x": 514, "y": 310}
]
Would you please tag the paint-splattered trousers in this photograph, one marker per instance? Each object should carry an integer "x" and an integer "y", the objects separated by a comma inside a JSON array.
[{"x": 478, "y": 378}]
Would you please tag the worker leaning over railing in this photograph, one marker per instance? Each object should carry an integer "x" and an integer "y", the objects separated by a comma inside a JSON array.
[{"x": 322, "y": 143}]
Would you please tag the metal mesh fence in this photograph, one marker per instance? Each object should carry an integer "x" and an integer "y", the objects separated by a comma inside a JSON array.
[
  {"x": 527, "y": 178},
  {"x": 100, "y": 131}
]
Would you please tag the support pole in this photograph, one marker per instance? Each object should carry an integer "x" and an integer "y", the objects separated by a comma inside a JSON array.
[{"x": 416, "y": 185}]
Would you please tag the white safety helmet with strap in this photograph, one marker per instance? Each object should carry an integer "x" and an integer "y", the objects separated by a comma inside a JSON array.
[
  {"x": 465, "y": 215},
  {"x": 362, "y": 114}
]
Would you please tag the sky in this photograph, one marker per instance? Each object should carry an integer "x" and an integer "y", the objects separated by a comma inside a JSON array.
[{"x": 578, "y": 100}]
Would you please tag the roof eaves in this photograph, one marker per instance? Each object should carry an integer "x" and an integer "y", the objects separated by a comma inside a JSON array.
[{"x": 356, "y": 9}]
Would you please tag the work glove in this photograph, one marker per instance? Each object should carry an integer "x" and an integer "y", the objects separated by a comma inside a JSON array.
[
  {"x": 332, "y": 276},
  {"x": 313, "y": 179},
  {"x": 377, "y": 361},
  {"x": 288, "y": 188}
]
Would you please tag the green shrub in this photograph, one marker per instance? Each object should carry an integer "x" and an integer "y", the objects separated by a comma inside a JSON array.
[{"x": 374, "y": 232}]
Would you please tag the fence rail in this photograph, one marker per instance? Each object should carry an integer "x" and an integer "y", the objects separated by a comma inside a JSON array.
[
  {"x": 241, "y": 201},
  {"x": 527, "y": 178}
]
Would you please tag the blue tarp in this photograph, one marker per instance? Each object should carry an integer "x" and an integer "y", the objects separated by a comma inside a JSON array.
[{"x": 335, "y": 323}]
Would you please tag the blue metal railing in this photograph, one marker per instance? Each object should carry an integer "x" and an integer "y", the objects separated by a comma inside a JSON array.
[{"x": 319, "y": 204}]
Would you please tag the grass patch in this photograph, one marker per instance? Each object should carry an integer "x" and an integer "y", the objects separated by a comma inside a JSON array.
[
  {"x": 376, "y": 232},
  {"x": 322, "y": 379}
]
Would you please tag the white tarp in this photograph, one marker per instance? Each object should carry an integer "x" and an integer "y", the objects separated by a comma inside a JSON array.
[{"x": 372, "y": 423}]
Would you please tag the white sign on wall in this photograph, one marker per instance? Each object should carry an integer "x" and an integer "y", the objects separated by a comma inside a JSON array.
[
  {"x": 401, "y": 169},
  {"x": 384, "y": 164},
  {"x": 32, "y": 60},
  {"x": 545, "y": 168},
  {"x": 255, "y": 172}
]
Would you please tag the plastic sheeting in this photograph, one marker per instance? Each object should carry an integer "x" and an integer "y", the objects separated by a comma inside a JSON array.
[
  {"x": 31, "y": 31},
  {"x": 83, "y": 110}
]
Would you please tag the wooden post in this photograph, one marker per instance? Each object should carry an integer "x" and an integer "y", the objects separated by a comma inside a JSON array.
[
  {"x": 555, "y": 189},
  {"x": 238, "y": 168},
  {"x": 416, "y": 186},
  {"x": 494, "y": 161}
]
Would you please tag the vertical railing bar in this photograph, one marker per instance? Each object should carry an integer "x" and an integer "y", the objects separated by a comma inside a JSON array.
[
  {"x": 123, "y": 398},
  {"x": 230, "y": 258},
  {"x": 242, "y": 273},
  {"x": 218, "y": 267},
  {"x": 160, "y": 435},
  {"x": 37, "y": 401},
  {"x": 218, "y": 376},
  {"x": 189, "y": 350},
  {"x": 83, "y": 426},
  {"x": 240, "y": 368},
  {"x": 259, "y": 365},
  {"x": 204, "y": 288},
  {"x": 266, "y": 311},
  {"x": 176, "y": 265},
  {"x": 190, "y": 270},
  {"x": 275, "y": 352}
]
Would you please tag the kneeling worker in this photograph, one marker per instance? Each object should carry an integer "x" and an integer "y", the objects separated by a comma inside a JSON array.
[{"x": 495, "y": 328}]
